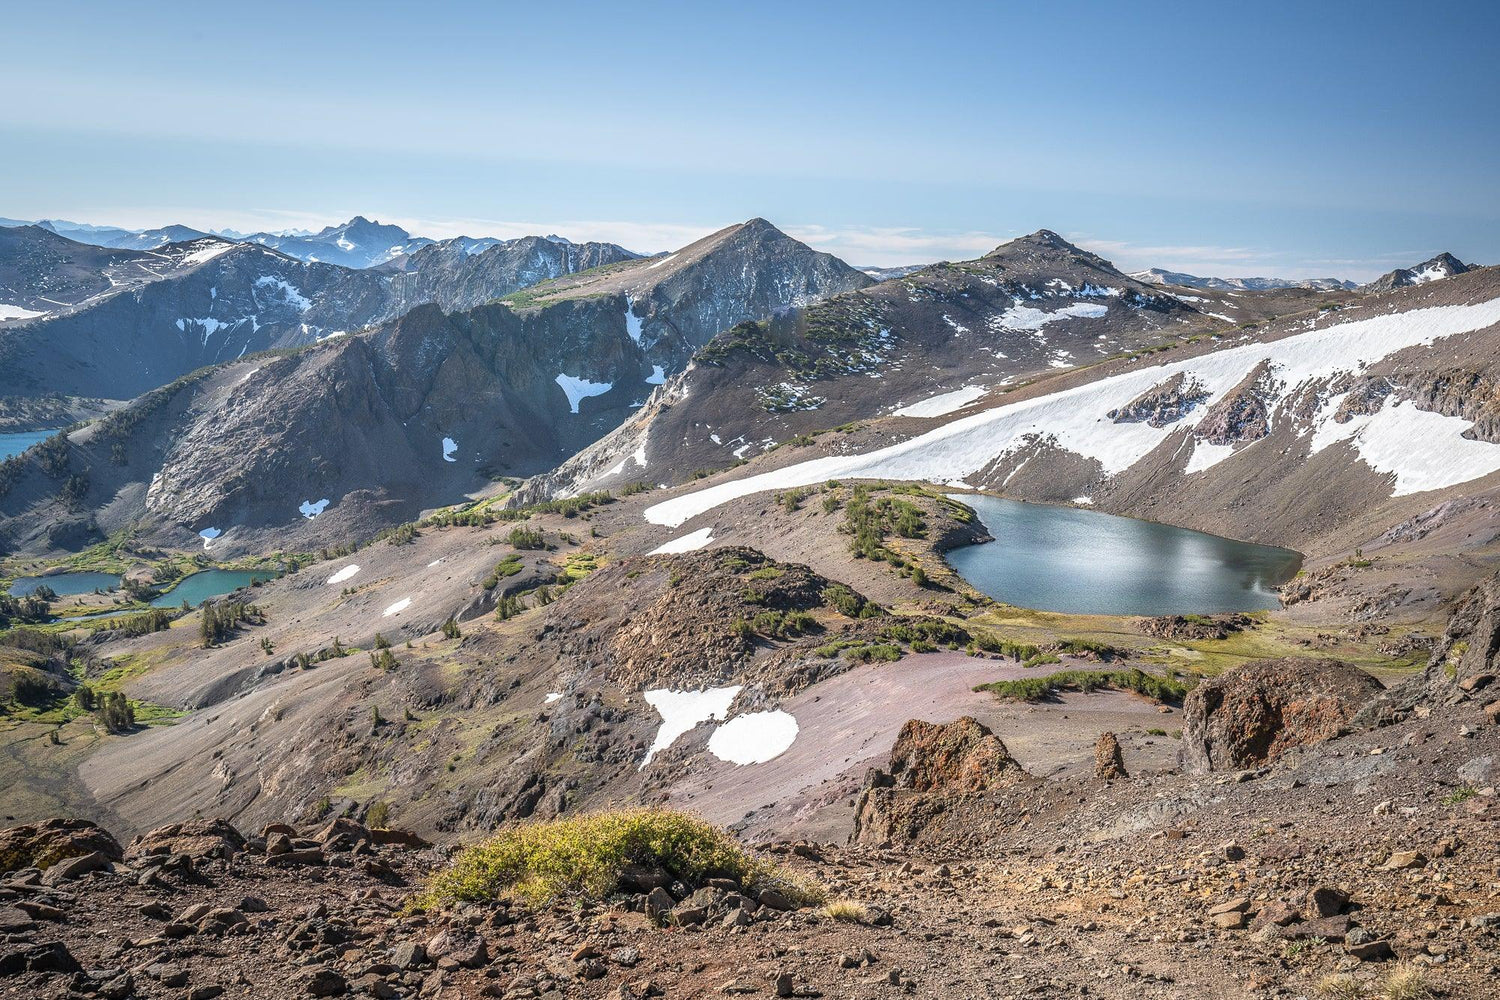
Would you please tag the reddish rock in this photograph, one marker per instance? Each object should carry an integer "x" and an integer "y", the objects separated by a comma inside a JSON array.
[
  {"x": 1109, "y": 762},
  {"x": 200, "y": 838},
  {"x": 1252, "y": 715},
  {"x": 41, "y": 845},
  {"x": 959, "y": 756},
  {"x": 930, "y": 766}
]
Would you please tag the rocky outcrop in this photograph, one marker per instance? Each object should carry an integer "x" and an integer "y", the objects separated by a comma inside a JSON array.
[
  {"x": 1252, "y": 715},
  {"x": 1162, "y": 404},
  {"x": 1109, "y": 762},
  {"x": 1196, "y": 626},
  {"x": 1464, "y": 667},
  {"x": 1244, "y": 412},
  {"x": 931, "y": 764},
  {"x": 200, "y": 838},
  {"x": 41, "y": 845}
]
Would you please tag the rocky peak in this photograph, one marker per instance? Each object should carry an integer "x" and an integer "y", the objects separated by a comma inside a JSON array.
[
  {"x": 1444, "y": 265},
  {"x": 1046, "y": 247}
]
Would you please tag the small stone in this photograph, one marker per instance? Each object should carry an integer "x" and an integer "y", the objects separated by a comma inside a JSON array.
[
  {"x": 1231, "y": 851},
  {"x": 1231, "y": 920},
  {"x": 1276, "y": 914},
  {"x": 784, "y": 984},
  {"x": 1370, "y": 951},
  {"x": 1237, "y": 905},
  {"x": 1406, "y": 859},
  {"x": 325, "y": 983},
  {"x": 1326, "y": 901},
  {"x": 208, "y": 991},
  {"x": 408, "y": 955},
  {"x": 659, "y": 902},
  {"x": 774, "y": 899},
  {"x": 70, "y": 868}
]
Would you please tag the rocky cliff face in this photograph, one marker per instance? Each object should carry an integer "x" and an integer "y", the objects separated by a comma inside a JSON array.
[{"x": 1464, "y": 667}]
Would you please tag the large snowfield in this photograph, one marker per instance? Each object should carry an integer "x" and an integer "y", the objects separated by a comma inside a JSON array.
[{"x": 1076, "y": 419}]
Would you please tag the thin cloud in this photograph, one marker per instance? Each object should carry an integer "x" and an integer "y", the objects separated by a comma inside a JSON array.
[{"x": 893, "y": 245}]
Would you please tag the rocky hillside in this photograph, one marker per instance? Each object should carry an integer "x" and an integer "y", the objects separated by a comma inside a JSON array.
[
  {"x": 936, "y": 342},
  {"x": 42, "y": 273},
  {"x": 1286, "y": 434}
]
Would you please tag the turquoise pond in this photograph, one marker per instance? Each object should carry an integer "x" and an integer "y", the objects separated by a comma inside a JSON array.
[
  {"x": 65, "y": 584},
  {"x": 1085, "y": 562},
  {"x": 16, "y": 442}
]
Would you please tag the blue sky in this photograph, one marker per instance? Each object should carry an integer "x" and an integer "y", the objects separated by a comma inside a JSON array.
[{"x": 1288, "y": 139}]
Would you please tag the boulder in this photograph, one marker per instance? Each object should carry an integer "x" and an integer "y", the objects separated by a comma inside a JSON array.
[
  {"x": 953, "y": 757},
  {"x": 199, "y": 838},
  {"x": 931, "y": 765},
  {"x": 1251, "y": 715},
  {"x": 41, "y": 845}
]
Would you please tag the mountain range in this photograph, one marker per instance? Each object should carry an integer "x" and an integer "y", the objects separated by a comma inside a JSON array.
[
  {"x": 558, "y": 544},
  {"x": 416, "y": 411}
]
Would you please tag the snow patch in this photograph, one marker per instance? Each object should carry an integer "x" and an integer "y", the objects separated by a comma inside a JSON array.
[
  {"x": 396, "y": 608},
  {"x": 311, "y": 510},
  {"x": 754, "y": 738},
  {"x": 682, "y": 710},
  {"x": 204, "y": 254},
  {"x": 632, "y": 321},
  {"x": 16, "y": 312},
  {"x": 690, "y": 542},
  {"x": 289, "y": 292},
  {"x": 658, "y": 376},
  {"x": 578, "y": 389},
  {"x": 943, "y": 403},
  {"x": 1019, "y": 317},
  {"x": 551, "y": 697},
  {"x": 343, "y": 574},
  {"x": 449, "y": 447}
]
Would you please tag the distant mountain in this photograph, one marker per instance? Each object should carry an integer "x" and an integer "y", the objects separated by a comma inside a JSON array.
[
  {"x": 357, "y": 243},
  {"x": 887, "y": 273},
  {"x": 1444, "y": 265},
  {"x": 83, "y": 232},
  {"x": 1157, "y": 276},
  {"x": 462, "y": 273},
  {"x": 213, "y": 300},
  {"x": 413, "y": 413},
  {"x": 42, "y": 273}
]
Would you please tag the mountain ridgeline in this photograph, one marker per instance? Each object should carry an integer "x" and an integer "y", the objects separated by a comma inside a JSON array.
[{"x": 413, "y": 413}]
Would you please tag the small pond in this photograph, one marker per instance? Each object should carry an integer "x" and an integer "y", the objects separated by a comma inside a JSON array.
[
  {"x": 1085, "y": 562},
  {"x": 65, "y": 584},
  {"x": 15, "y": 442},
  {"x": 199, "y": 587}
]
